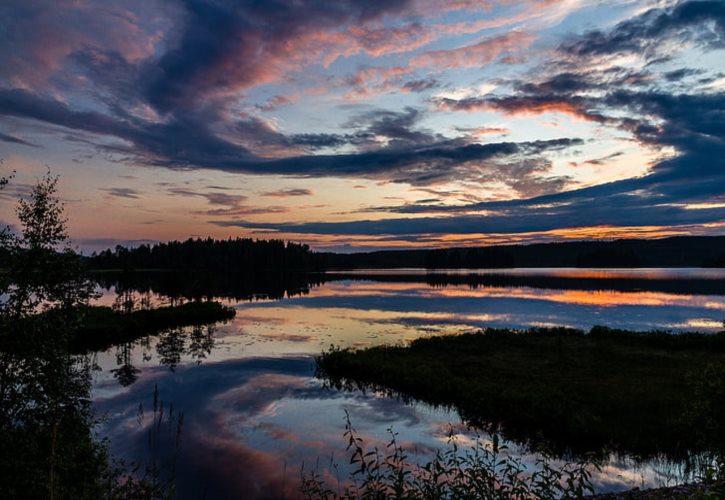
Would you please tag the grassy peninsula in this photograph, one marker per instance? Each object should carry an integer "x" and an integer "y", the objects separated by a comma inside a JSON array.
[
  {"x": 104, "y": 327},
  {"x": 641, "y": 393}
]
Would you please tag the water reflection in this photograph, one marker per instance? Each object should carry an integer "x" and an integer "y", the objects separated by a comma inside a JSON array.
[
  {"x": 171, "y": 347},
  {"x": 174, "y": 286},
  {"x": 249, "y": 425},
  {"x": 126, "y": 373},
  {"x": 687, "y": 281},
  {"x": 253, "y": 410}
]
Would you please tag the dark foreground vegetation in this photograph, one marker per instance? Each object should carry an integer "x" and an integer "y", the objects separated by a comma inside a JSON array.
[
  {"x": 482, "y": 470},
  {"x": 48, "y": 446},
  {"x": 639, "y": 393}
]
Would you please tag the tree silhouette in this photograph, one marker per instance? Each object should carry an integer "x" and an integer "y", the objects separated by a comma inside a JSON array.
[
  {"x": 47, "y": 446},
  {"x": 233, "y": 254}
]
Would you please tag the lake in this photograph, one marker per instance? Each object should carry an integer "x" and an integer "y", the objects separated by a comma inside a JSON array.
[{"x": 253, "y": 412}]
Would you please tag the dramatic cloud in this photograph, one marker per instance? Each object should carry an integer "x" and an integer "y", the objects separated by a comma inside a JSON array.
[
  {"x": 411, "y": 156},
  {"x": 693, "y": 125},
  {"x": 700, "y": 22},
  {"x": 564, "y": 124},
  {"x": 525, "y": 220}
]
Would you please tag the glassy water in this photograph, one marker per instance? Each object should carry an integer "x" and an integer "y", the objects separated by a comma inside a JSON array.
[{"x": 253, "y": 412}]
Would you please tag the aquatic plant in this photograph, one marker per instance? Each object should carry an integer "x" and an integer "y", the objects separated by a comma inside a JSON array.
[{"x": 482, "y": 470}]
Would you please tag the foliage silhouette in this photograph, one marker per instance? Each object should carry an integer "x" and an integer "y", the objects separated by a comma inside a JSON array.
[
  {"x": 482, "y": 470},
  {"x": 234, "y": 254},
  {"x": 47, "y": 446}
]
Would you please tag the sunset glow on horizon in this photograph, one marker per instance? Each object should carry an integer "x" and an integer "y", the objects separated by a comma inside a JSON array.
[{"x": 367, "y": 125}]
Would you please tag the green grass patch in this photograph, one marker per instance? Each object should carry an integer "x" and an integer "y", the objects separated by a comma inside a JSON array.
[{"x": 572, "y": 390}]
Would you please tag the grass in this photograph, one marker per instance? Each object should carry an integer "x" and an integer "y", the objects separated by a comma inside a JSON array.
[
  {"x": 483, "y": 470},
  {"x": 103, "y": 327},
  {"x": 572, "y": 390}
]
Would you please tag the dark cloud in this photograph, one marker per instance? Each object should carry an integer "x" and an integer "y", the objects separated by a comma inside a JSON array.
[
  {"x": 522, "y": 220},
  {"x": 174, "y": 106},
  {"x": 25, "y": 104},
  {"x": 600, "y": 161},
  {"x": 228, "y": 45},
  {"x": 16, "y": 140},
  {"x": 39, "y": 38},
  {"x": 396, "y": 127},
  {"x": 531, "y": 103},
  {"x": 121, "y": 192},
  {"x": 175, "y": 103},
  {"x": 186, "y": 141},
  {"x": 223, "y": 199},
  {"x": 15, "y": 190},
  {"x": 239, "y": 210},
  {"x": 680, "y": 74},
  {"x": 420, "y": 85},
  {"x": 691, "y": 124},
  {"x": 284, "y": 193},
  {"x": 637, "y": 102},
  {"x": 227, "y": 204},
  {"x": 658, "y": 198},
  {"x": 701, "y": 22}
]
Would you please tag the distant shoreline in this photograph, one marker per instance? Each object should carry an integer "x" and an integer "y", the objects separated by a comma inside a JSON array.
[
  {"x": 679, "y": 281},
  {"x": 245, "y": 255}
]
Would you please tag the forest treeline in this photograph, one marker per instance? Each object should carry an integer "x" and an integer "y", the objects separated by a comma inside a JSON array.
[
  {"x": 685, "y": 251},
  {"x": 244, "y": 254},
  {"x": 230, "y": 254}
]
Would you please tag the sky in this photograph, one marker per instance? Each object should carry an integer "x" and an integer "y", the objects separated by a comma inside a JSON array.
[{"x": 355, "y": 125}]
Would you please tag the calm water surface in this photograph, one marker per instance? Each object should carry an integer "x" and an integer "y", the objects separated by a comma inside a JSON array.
[{"x": 253, "y": 412}]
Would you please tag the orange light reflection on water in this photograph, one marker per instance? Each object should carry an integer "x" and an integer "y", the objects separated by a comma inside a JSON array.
[{"x": 603, "y": 298}]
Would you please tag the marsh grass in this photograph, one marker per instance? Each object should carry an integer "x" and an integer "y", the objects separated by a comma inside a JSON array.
[
  {"x": 154, "y": 478},
  {"x": 482, "y": 470},
  {"x": 642, "y": 394}
]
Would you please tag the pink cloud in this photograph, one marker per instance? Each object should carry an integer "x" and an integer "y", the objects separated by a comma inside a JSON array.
[
  {"x": 378, "y": 42},
  {"x": 477, "y": 55},
  {"x": 38, "y": 43},
  {"x": 522, "y": 106}
]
